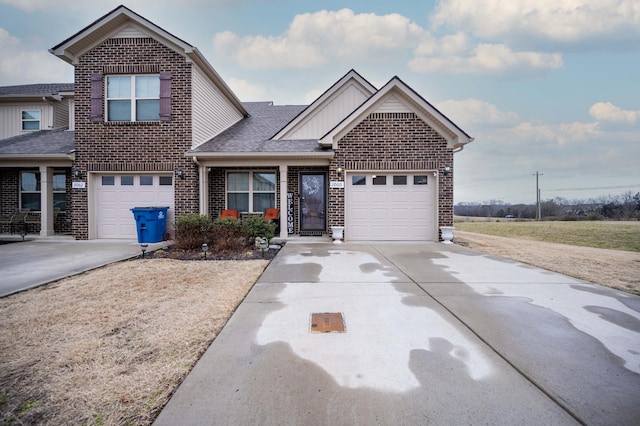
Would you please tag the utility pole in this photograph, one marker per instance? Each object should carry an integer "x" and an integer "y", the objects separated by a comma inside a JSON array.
[{"x": 537, "y": 174}]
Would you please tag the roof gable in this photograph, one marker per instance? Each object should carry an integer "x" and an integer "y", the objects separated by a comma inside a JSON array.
[
  {"x": 329, "y": 108},
  {"x": 123, "y": 22},
  {"x": 121, "y": 19},
  {"x": 396, "y": 96}
]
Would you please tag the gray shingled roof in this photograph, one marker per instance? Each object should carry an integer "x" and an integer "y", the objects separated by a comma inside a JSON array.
[
  {"x": 36, "y": 89},
  {"x": 57, "y": 141},
  {"x": 252, "y": 134}
]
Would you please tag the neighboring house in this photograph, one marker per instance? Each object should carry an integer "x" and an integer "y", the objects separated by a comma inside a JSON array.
[
  {"x": 35, "y": 141},
  {"x": 154, "y": 124}
]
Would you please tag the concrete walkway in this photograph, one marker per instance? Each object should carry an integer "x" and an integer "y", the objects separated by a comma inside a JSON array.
[
  {"x": 31, "y": 263},
  {"x": 435, "y": 334}
]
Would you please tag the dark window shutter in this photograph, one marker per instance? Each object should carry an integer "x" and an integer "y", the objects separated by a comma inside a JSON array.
[
  {"x": 165, "y": 96},
  {"x": 97, "y": 97}
]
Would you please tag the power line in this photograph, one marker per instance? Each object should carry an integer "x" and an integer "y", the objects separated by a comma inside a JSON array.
[{"x": 596, "y": 187}]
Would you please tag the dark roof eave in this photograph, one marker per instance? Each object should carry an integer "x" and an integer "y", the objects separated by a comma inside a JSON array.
[
  {"x": 69, "y": 156},
  {"x": 328, "y": 154}
]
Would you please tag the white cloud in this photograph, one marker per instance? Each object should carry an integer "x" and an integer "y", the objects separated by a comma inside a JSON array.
[
  {"x": 18, "y": 65},
  {"x": 476, "y": 112},
  {"x": 486, "y": 59},
  {"x": 565, "y": 21},
  {"x": 330, "y": 37},
  {"x": 313, "y": 39},
  {"x": 246, "y": 91},
  {"x": 606, "y": 111},
  {"x": 560, "y": 134}
]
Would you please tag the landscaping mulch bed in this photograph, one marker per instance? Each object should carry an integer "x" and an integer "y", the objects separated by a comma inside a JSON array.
[{"x": 194, "y": 254}]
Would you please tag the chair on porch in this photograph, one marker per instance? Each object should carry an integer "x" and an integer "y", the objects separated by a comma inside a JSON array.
[
  {"x": 272, "y": 215},
  {"x": 36, "y": 218},
  {"x": 6, "y": 219},
  {"x": 230, "y": 213},
  {"x": 18, "y": 220}
]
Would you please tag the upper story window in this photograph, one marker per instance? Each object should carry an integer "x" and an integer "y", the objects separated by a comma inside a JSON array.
[
  {"x": 31, "y": 119},
  {"x": 137, "y": 98},
  {"x": 133, "y": 98}
]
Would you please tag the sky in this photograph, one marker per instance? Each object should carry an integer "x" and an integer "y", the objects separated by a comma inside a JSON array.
[{"x": 543, "y": 86}]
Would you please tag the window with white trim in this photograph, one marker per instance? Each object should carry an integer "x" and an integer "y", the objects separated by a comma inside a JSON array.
[
  {"x": 31, "y": 120},
  {"x": 133, "y": 98},
  {"x": 251, "y": 191},
  {"x": 30, "y": 196}
]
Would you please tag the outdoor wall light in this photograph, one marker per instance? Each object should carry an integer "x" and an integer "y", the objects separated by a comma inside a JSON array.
[
  {"x": 447, "y": 169},
  {"x": 205, "y": 249},
  {"x": 179, "y": 172},
  {"x": 340, "y": 169},
  {"x": 143, "y": 247},
  {"x": 77, "y": 173}
]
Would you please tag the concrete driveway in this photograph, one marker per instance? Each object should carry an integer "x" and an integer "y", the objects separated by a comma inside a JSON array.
[
  {"x": 434, "y": 334},
  {"x": 28, "y": 264}
]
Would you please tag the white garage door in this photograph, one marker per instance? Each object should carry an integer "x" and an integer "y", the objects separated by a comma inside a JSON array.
[
  {"x": 117, "y": 194},
  {"x": 390, "y": 206}
]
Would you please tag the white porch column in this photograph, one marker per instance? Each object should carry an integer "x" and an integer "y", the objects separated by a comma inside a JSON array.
[
  {"x": 46, "y": 201},
  {"x": 283, "y": 200},
  {"x": 203, "y": 173}
]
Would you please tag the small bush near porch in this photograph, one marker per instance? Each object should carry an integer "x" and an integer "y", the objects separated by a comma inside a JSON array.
[{"x": 223, "y": 235}]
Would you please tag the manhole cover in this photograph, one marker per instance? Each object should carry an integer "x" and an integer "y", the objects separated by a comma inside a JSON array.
[{"x": 327, "y": 323}]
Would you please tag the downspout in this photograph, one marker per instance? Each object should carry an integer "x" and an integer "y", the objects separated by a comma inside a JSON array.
[{"x": 203, "y": 192}]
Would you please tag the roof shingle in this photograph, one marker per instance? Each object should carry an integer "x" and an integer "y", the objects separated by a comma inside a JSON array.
[
  {"x": 36, "y": 89},
  {"x": 253, "y": 133},
  {"x": 52, "y": 142}
]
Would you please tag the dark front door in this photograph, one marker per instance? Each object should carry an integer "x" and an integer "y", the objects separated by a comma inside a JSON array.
[{"x": 313, "y": 201}]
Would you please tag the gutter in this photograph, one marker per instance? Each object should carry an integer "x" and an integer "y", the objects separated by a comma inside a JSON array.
[{"x": 71, "y": 156}]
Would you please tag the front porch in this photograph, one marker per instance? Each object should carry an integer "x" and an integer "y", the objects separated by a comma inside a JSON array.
[{"x": 35, "y": 199}]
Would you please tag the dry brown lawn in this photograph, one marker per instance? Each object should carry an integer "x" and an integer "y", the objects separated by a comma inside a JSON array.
[{"x": 110, "y": 346}]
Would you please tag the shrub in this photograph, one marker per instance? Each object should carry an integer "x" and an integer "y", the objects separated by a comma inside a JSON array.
[
  {"x": 257, "y": 226},
  {"x": 192, "y": 230},
  {"x": 228, "y": 235}
]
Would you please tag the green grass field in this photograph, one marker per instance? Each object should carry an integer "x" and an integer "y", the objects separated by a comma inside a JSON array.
[{"x": 599, "y": 234}]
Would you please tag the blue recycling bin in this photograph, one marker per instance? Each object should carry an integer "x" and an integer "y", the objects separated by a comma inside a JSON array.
[{"x": 151, "y": 223}]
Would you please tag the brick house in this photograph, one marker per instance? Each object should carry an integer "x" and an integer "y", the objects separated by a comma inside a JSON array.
[{"x": 152, "y": 123}]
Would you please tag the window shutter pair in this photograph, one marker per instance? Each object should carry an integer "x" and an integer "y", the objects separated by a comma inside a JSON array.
[{"x": 97, "y": 97}]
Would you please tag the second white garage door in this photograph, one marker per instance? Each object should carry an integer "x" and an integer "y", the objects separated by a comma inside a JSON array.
[
  {"x": 390, "y": 206},
  {"x": 117, "y": 194}
]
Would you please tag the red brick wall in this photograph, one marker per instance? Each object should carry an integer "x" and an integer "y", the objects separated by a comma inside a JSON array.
[
  {"x": 9, "y": 191},
  {"x": 120, "y": 147},
  {"x": 393, "y": 141}
]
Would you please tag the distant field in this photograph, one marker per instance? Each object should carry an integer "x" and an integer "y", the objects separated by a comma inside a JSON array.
[{"x": 599, "y": 234}]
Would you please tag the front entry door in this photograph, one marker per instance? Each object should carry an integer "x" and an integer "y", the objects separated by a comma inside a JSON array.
[{"x": 313, "y": 201}]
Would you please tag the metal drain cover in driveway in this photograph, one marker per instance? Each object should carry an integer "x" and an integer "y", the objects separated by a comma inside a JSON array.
[{"x": 327, "y": 323}]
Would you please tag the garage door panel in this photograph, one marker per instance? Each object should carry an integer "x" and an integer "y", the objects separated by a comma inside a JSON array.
[
  {"x": 390, "y": 212},
  {"x": 113, "y": 203}
]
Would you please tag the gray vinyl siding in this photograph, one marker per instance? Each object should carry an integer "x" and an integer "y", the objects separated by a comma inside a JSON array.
[
  {"x": 61, "y": 114},
  {"x": 212, "y": 112},
  {"x": 11, "y": 118},
  {"x": 327, "y": 116}
]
